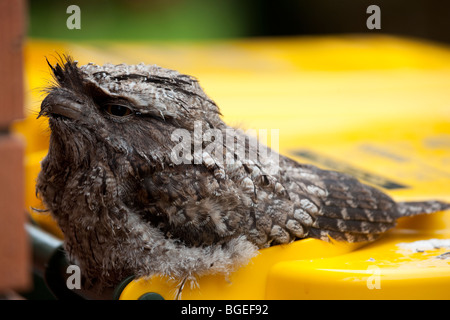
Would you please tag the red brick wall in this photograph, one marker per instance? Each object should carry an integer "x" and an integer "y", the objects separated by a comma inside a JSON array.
[{"x": 14, "y": 252}]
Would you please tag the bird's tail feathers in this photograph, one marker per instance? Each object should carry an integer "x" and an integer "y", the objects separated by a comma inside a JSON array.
[{"x": 407, "y": 209}]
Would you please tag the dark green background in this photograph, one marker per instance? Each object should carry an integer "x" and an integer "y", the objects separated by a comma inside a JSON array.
[{"x": 218, "y": 19}]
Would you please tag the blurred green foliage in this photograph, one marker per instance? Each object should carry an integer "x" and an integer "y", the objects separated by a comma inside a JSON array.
[{"x": 140, "y": 19}]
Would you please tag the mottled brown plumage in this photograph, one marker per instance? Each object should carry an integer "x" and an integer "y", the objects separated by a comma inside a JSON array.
[{"x": 126, "y": 207}]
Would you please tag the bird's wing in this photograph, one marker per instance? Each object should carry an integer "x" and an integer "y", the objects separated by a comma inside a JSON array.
[{"x": 346, "y": 209}]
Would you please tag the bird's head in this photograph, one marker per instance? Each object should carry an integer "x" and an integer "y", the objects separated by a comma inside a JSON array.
[{"x": 126, "y": 109}]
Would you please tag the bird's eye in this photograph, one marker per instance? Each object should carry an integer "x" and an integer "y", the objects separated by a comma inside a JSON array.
[{"x": 117, "y": 110}]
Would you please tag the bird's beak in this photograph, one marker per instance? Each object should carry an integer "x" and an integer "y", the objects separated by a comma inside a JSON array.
[{"x": 56, "y": 105}]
